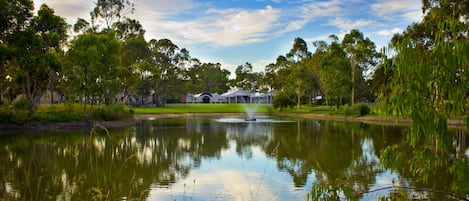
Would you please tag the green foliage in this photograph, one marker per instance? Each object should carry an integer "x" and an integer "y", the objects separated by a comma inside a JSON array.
[
  {"x": 31, "y": 44},
  {"x": 18, "y": 113},
  {"x": 281, "y": 101},
  {"x": 21, "y": 104},
  {"x": 111, "y": 113},
  {"x": 358, "y": 109},
  {"x": 430, "y": 79},
  {"x": 207, "y": 77},
  {"x": 330, "y": 191}
]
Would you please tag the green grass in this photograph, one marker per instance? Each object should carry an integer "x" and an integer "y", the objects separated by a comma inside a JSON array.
[{"x": 200, "y": 108}]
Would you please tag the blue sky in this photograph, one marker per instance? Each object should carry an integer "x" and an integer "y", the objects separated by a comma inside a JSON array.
[{"x": 233, "y": 32}]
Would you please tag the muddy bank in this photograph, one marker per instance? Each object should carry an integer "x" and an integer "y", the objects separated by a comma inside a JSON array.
[{"x": 377, "y": 120}]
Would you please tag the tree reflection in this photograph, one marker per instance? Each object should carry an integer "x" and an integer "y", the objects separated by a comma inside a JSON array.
[
  {"x": 129, "y": 162},
  {"x": 101, "y": 167},
  {"x": 434, "y": 166}
]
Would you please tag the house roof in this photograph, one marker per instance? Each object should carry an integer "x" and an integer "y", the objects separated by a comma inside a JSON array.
[{"x": 236, "y": 92}]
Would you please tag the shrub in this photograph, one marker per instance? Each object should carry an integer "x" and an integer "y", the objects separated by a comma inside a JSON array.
[
  {"x": 111, "y": 113},
  {"x": 359, "y": 109},
  {"x": 6, "y": 116},
  {"x": 281, "y": 101},
  {"x": 21, "y": 104}
]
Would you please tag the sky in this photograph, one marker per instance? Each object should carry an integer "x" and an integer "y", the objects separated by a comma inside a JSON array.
[{"x": 233, "y": 32}]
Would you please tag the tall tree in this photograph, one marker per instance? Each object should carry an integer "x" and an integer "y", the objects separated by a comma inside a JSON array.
[
  {"x": 362, "y": 54},
  {"x": 335, "y": 71},
  {"x": 167, "y": 73},
  {"x": 33, "y": 48},
  {"x": 245, "y": 77},
  {"x": 300, "y": 78},
  {"x": 135, "y": 50},
  {"x": 129, "y": 28},
  {"x": 209, "y": 78},
  {"x": 14, "y": 16},
  {"x": 108, "y": 12},
  {"x": 94, "y": 59}
]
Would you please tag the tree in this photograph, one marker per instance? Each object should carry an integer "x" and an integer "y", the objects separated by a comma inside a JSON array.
[
  {"x": 82, "y": 26},
  {"x": 135, "y": 50},
  {"x": 108, "y": 12},
  {"x": 335, "y": 71},
  {"x": 208, "y": 77},
  {"x": 129, "y": 28},
  {"x": 167, "y": 74},
  {"x": 431, "y": 77},
  {"x": 246, "y": 78},
  {"x": 299, "y": 78},
  {"x": 33, "y": 46},
  {"x": 362, "y": 55},
  {"x": 14, "y": 16},
  {"x": 382, "y": 77},
  {"x": 93, "y": 61}
]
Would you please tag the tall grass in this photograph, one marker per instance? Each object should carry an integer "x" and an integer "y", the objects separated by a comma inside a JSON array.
[{"x": 14, "y": 114}]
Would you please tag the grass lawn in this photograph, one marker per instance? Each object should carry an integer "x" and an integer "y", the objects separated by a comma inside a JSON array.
[{"x": 201, "y": 108}]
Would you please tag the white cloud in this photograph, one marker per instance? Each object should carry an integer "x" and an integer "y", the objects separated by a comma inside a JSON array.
[
  {"x": 315, "y": 9},
  {"x": 71, "y": 10},
  {"x": 165, "y": 6},
  {"x": 389, "y": 32},
  {"x": 227, "y": 27},
  {"x": 400, "y": 10},
  {"x": 347, "y": 24}
]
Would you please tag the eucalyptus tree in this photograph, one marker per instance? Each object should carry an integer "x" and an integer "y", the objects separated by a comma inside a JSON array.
[
  {"x": 246, "y": 78},
  {"x": 208, "y": 78},
  {"x": 14, "y": 16},
  {"x": 135, "y": 50},
  {"x": 93, "y": 65},
  {"x": 431, "y": 78},
  {"x": 109, "y": 12},
  {"x": 32, "y": 43},
  {"x": 300, "y": 78},
  {"x": 362, "y": 54},
  {"x": 335, "y": 71},
  {"x": 430, "y": 84},
  {"x": 167, "y": 72}
]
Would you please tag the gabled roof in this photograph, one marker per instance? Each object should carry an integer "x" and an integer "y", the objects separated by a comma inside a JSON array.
[{"x": 236, "y": 92}]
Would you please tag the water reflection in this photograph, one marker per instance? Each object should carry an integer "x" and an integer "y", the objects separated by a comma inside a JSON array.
[{"x": 205, "y": 159}]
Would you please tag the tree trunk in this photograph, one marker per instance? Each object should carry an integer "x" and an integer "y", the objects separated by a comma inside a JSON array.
[
  {"x": 29, "y": 88},
  {"x": 353, "y": 82}
]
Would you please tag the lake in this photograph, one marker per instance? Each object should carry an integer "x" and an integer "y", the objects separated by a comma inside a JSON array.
[{"x": 224, "y": 158}]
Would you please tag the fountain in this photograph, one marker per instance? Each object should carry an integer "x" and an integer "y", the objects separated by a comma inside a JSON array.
[{"x": 250, "y": 110}]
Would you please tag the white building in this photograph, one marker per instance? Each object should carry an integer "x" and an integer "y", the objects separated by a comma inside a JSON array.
[
  {"x": 204, "y": 98},
  {"x": 237, "y": 95}
]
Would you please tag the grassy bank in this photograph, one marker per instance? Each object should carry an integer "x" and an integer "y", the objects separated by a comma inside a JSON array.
[
  {"x": 202, "y": 108},
  {"x": 57, "y": 113}
]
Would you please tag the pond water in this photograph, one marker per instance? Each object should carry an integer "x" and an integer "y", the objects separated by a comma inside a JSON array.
[{"x": 222, "y": 158}]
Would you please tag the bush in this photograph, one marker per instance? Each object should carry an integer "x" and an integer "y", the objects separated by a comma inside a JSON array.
[
  {"x": 6, "y": 116},
  {"x": 21, "y": 104},
  {"x": 359, "y": 109},
  {"x": 282, "y": 101},
  {"x": 111, "y": 113}
]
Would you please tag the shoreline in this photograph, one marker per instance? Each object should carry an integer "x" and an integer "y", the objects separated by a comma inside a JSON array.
[{"x": 138, "y": 118}]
